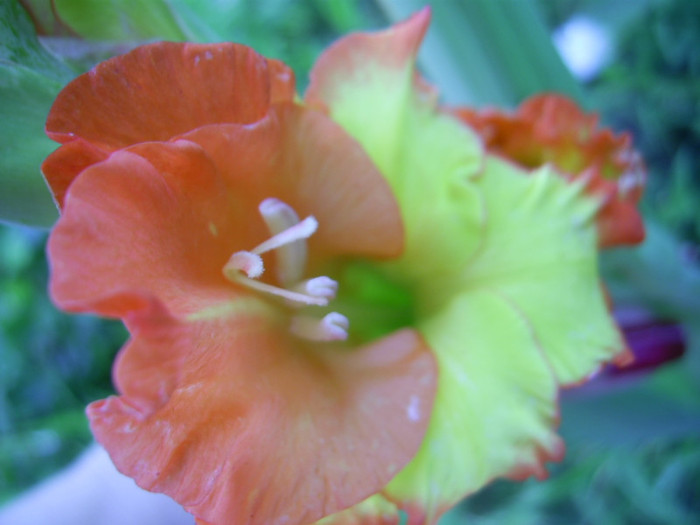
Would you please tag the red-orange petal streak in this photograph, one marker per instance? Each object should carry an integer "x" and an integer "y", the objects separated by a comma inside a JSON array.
[{"x": 242, "y": 424}]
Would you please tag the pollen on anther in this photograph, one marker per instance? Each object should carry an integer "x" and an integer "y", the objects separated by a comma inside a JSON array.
[
  {"x": 321, "y": 286},
  {"x": 249, "y": 263}
]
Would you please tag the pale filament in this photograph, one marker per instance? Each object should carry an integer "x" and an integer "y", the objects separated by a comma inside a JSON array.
[{"x": 288, "y": 241}]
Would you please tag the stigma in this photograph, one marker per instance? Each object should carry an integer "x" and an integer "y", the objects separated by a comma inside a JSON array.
[{"x": 288, "y": 235}]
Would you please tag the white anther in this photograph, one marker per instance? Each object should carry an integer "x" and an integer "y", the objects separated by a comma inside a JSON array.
[
  {"x": 250, "y": 263},
  {"x": 332, "y": 327},
  {"x": 318, "y": 287}
]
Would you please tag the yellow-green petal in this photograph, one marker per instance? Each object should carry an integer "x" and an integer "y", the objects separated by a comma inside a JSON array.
[
  {"x": 526, "y": 313},
  {"x": 540, "y": 252},
  {"x": 367, "y": 83},
  {"x": 495, "y": 407}
]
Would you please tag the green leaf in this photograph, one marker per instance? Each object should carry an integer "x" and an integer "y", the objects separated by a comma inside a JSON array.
[
  {"x": 25, "y": 99},
  {"x": 494, "y": 52},
  {"x": 122, "y": 19},
  {"x": 639, "y": 413},
  {"x": 30, "y": 78},
  {"x": 19, "y": 45}
]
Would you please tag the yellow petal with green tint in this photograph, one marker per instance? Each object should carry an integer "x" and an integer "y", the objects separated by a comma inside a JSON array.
[
  {"x": 526, "y": 313},
  {"x": 495, "y": 407},
  {"x": 367, "y": 83},
  {"x": 375, "y": 510},
  {"x": 540, "y": 252}
]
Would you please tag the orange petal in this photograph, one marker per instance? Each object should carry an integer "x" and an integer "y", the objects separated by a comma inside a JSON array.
[
  {"x": 153, "y": 220},
  {"x": 308, "y": 161},
  {"x": 62, "y": 167},
  {"x": 241, "y": 424},
  {"x": 164, "y": 89}
]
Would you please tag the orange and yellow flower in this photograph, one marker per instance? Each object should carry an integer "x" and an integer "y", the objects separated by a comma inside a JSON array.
[{"x": 340, "y": 307}]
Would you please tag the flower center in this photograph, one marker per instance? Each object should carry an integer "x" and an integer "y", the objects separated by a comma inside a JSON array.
[{"x": 288, "y": 242}]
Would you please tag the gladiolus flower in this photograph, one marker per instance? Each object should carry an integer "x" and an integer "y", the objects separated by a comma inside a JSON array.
[
  {"x": 338, "y": 308},
  {"x": 240, "y": 397},
  {"x": 552, "y": 129}
]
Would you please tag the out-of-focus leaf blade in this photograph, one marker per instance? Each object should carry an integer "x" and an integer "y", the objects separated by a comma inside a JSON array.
[
  {"x": 122, "y": 19},
  {"x": 25, "y": 99},
  {"x": 629, "y": 416},
  {"x": 659, "y": 275},
  {"x": 30, "y": 78},
  {"x": 19, "y": 45},
  {"x": 494, "y": 52}
]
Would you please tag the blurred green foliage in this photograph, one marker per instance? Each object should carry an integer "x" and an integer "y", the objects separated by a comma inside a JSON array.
[
  {"x": 653, "y": 484},
  {"x": 653, "y": 89},
  {"x": 52, "y": 365},
  {"x": 30, "y": 78}
]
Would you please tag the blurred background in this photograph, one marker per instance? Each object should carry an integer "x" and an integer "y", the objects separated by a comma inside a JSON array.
[{"x": 633, "y": 436}]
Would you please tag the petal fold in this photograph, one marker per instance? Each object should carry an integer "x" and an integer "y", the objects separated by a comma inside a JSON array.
[
  {"x": 63, "y": 165},
  {"x": 160, "y": 90}
]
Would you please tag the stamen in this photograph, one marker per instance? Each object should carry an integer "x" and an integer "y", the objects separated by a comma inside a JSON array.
[
  {"x": 274, "y": 290},
  {"x": 332, "y": 327},
  {"x": 318, "y": 287},
  {"x": 288, "y": 241},
  {"x": 302, "y": 230}
]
